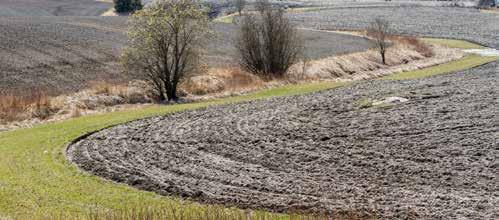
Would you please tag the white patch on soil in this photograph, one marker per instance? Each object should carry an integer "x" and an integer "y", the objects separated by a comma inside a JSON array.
[
  {"x": 390, "y": 100},
  {"x": 489, "y": 52}
]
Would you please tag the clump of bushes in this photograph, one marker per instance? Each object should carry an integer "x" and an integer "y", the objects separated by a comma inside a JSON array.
[
  {"x": 268, "y": 44},
  {"x": 123, "y": 6}
]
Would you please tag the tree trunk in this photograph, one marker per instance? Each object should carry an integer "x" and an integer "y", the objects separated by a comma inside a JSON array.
[
  {"x": 162, "y": 97},
  {"x": 383, "y": 58},
  {"x": 172, "y": 94}
]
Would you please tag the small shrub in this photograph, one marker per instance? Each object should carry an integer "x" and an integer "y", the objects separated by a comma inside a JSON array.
[{"x": 123, "y": 6}]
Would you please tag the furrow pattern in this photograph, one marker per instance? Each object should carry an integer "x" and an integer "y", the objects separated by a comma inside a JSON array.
[{"x": 434, "y": 155}]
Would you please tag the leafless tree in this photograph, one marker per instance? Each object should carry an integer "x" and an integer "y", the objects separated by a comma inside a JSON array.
[
  {"x": 379, "y": 30},
  {"x": 240, "y": 5},
  {"x": 163, "y": 43},
  {"x": 268, "y": 45}
]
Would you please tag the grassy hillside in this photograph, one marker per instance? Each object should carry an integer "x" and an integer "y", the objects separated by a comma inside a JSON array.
[{"x": 36, "y": 179}]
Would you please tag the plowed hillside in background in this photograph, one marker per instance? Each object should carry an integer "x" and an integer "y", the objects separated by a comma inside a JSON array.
[
  {"x": 59, "y": 53},
  {"x": 64, "y": 54},
  {"x": 53, "y": 7}
]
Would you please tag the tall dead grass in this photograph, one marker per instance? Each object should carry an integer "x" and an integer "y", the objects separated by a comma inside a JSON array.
[
  {"x": 20, "y": 105},
  {"x": 218, "y": 80},
  {"x": 176, "y": 212},
  {"x": 418, "y": 45},
  {"x": 404, "y": 52},
  {"x": 30, "y": 104}
]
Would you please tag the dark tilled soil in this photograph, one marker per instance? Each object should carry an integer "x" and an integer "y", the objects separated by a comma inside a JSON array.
[
  {"x": 449, "y": 22},
  {"x": 434, "y": 156},
  {"x": 220, "y": 50},
  {"x": 53, "y": 7},
  {"x": 59, "y": 53}
]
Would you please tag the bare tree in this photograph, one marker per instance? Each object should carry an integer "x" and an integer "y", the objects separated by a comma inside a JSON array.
[
  {"x": 163, "y": 43},
  {"x": 240, "y": 5},
  {"x": 269, "y": 45},
  {"x": 379, "y": 30}
]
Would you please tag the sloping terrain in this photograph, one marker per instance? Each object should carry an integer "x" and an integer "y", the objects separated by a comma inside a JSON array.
[
  {"x": 449, "y": 22},
  {"x": 59, "y": 53},
  {"x": 430, "y": 157},
  {"x": 54, "y": 7},
  {"x": 63, "y": 54}
]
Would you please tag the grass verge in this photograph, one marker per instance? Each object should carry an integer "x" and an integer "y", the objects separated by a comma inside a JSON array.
[
  {"x": 36, "y": 181},
  {"x": 459, "y": 44},
  {"x": 467, "y": 62}
]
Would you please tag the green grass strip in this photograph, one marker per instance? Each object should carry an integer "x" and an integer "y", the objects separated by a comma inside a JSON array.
[
  {"x": 467, "y": 62},
  {"x": 458, "y": 44},
  {"x": 36, "y": 179}
]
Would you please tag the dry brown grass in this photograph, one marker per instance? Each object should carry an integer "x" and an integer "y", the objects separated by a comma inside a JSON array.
[
  {"x": 236, "y": 78},
  {"x": 418, "y": 45},
  {"x": 133, "y": 93},
  {"x": 212, "y": 213},
  {"x": 35, "y": 105},
  {"x": 20, "y": 105},
  {"x": 102, "y": 87},
  {"x": 404, "y": 54},
  {"x": 218, "y": 80}
]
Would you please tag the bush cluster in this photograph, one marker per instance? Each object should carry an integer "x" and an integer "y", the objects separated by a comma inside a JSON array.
[
  {"x": 122, "y": 6},
  {"x": 268, "y": 45}
]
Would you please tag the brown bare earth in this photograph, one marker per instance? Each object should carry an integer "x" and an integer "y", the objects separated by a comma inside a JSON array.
[
  {"x": 430, "y": 157},
  {"x": 53, "y": 7},
  {"x": 59, "y": 54}
]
